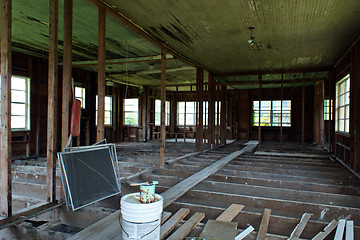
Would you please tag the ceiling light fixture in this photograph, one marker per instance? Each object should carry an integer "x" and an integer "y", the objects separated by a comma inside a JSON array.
[{"x": 251, "y": 41}]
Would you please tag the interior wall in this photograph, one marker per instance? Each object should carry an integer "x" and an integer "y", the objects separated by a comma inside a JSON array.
[
  {"x": 319, "y": 128},
  {"x": 293, "y": 133},
  {"x": 346, "y": 145}
]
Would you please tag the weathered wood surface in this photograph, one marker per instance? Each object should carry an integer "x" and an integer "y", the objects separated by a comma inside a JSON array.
[
  {"x": 187, "y": 227},
  {"x": 170, "y": 225},
  {"x": 52, "y": 103},
  {"x": 295, "y": 235},
  {"x": 327, "y": 230},
  {"x": 5, "y": 130},
  {"x": 264, "y": 225},
  {"x": 223, "y": 230},
  {"x": 230, "y": 213},
  {"x": 181, "y": 188},
  {"x": 100, "y": 128}
]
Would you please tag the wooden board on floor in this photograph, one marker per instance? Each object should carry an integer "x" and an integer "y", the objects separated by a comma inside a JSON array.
[
  {"x": 174, "y": 193},
  {"x": 327, "y": 230},
  {"x": 230, "y": 213},
  {"x": 187, "y": 227},
  {"x": 264, "y": 224},
  {"x": 300, "y": 227},
  {"x": 173, "y": 222},
  {"x": 283, "y": 154},
  {"x": 219, "y": 230}
]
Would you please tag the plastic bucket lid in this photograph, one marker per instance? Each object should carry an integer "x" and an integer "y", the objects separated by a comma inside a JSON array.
[{"x": 133, "y": 210}]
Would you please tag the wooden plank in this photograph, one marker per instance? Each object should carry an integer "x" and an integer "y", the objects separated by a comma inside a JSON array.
[
  {"x": 100, "y": 128},
  {"x": 106, "y": 228},
  {"x": 5, "y": 130},
  {"x": 165, "y": 216},
  {"x": 283, "y": 154},
  {"x": 187, "y": 227},
  {"x": 327, "y": 230},
  {"x": 181, "y": 188},
  {"x": 230, "y": 213},
  {"x": 340, "y": 230},
  {"x": 171, "y": 161},
  {"x": 349, "y": 235},
  {"x": 219, "y": 230},
  {"x": 21, "y": 217},
  {"x": 173, "y": 222},
  {"x": 67, "y": 71},
  {"x": 295, "y": 235},
  {"x": 52, "y": 103},
  {"x": 162, "y": 117},
  {"x": 264, "y": 224}
]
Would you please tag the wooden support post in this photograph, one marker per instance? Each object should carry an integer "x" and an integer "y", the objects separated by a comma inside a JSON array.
[
  {"x": 52, "y": 103},
  {"x": 259, "y": 128},
  {"x": 185, "y": 121},
  {"x": 217, "y": 135},
  {"x": 163, "y": 98},
  {"x": 303, "y": 113},
  {"x": 281, "y": 112},
  {"x": 223, "y": 115},
  {"x": 5, "y": 138},
  {"x": 67, "y": 72},
  {"x": 144, "y": 109},
  {"x": 101, "y": 74},
  {"x": 200, "y": 99},
  {"x": 211, "y": 115}
]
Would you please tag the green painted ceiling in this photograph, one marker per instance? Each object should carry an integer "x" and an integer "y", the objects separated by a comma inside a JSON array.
[{"x": 289, "y": 35}]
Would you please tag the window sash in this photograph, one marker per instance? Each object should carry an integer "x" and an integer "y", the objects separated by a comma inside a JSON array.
[
  {"x": 342, "y": 110},
  {"x": 107, "y": 111},
  {"x": 20, "y": 103},
  {"x": 131, "y": 111}
]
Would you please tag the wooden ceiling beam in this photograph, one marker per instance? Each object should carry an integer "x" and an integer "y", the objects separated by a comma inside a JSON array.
[{"x": 121, "y": 60}]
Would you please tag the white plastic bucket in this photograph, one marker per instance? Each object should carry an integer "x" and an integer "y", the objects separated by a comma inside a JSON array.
[{"x": 140, "y": 220}]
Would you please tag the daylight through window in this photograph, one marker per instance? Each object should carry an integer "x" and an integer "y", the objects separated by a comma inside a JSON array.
[
  {"x": 342, "y": 110},
  {"x": 131, "y": 111},
  {"x": 270, "y": 113},
  {"x": 20, "y": 103}
]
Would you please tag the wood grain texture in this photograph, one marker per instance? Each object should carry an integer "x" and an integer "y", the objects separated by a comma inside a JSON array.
[
  {"x": 187, "y": 227},
  {"x": 52, "y": 106},
  {"x": 173, "y": 222},
  {"x": 327, "y": 230},
  {"x": 5, "y": 131},
  {"x": 300, "y": 227},
  {"x": 264, "y": 224},
  {"x": 230, "y": 213},
  {"x": 100, "y": 128},
  {"x": 181, "y": 188}
]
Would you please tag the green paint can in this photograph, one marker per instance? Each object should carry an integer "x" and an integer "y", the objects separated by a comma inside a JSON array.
[{"x": 147, "y": 192}]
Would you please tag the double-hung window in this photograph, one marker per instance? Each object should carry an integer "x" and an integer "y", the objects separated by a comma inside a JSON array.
[
  {"x": 342, "y": 111},
  {"x": 80, "y": 94},
  {"x": 20, "y": 103},
  {"x": 108, "y": 110},
  {"x": 131, "y": 111}
]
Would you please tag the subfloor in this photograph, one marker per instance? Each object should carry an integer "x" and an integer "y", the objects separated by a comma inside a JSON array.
[{"x": 290, "y": 182}]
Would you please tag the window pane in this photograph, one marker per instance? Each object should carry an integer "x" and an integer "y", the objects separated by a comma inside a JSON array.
[
  {"x": 18, "y": 83},
  {"x": 256, "y": 105},
  {"x": 18, "y": 96},
  {"x": 18, "y": 109},
  {"x": 265, "y": 105},
  {"x": 276, "y": 105},
  {"x": 18, "y": 122}
]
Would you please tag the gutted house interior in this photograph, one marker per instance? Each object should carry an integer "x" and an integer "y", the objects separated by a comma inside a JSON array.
[{"x": 244, "y": 111}]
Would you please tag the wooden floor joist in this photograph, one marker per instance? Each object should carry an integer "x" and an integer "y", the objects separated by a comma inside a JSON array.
[{"x": 181, "y": 188}]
